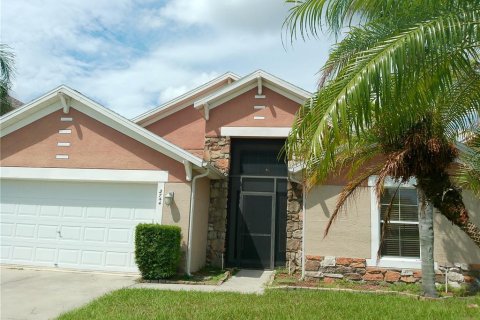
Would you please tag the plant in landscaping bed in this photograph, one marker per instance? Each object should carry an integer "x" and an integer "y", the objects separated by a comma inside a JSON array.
[
  {"x": 157, "y": 250},
  {"x": 207, "y": 275}
]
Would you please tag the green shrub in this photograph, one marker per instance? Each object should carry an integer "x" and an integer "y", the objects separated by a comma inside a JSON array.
[{"x": 157, "y": 250}]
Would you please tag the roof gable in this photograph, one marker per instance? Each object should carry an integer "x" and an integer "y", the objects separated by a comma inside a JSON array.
[
  {"x": 63, "y": 97},
  {"x": 184, "y": 100},
  {"x": 257, "y": 79}
]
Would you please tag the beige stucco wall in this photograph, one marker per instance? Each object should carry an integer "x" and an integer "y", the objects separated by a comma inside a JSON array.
[
  {"x": 177, "y": 213},
  {"x": 200, "y": 224},
  {"x": 451, "y": 243},
  {"x": 349, "y": 236}
]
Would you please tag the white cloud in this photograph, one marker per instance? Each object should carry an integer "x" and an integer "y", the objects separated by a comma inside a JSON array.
[
  {"x": 131, "y": 55},
  {"x": 227, "y": 15}
]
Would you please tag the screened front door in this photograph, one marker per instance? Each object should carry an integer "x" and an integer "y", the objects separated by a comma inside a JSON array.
[
  {"x": 257, "y": 207},
  {"x": 256, "y": 229}
]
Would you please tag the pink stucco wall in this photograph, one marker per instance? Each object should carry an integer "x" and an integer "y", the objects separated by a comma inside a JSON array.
[
  {"x": 187, "y": 128},
  {"x": 93, "y": 145},
  {"x": 239, "y": 112}
]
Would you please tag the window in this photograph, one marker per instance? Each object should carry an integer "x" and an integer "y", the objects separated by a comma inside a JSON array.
[
  {"x": 401, "y": 247},
  {"x": 401, "y": 238}
]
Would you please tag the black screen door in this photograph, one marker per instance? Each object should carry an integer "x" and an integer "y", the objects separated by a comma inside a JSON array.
[
  {"x": 257, "y": 205},
  {"x": 256, "y": 229}
]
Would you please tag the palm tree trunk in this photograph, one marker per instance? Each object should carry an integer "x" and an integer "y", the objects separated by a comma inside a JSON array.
[
  {"x": 425, "y": 226},
  {"x": 449, "y": 201}
]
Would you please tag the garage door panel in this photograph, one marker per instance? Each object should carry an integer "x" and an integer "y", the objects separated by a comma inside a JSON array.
[
  {"x": 22, "y": 253},
  {"x": 92, "y": 258},
  {"x": 47, "y": 232},
  {"x": 46, "y": 255},
  {"x": 5, "y": 251},
  {"x": 119, "y": 235},
  {"x": 24, "y": 230},
  {"x": 74, "y": 225},
  {"x": 73, "y": 212},
  {"x": 50, "y": 211},
  {"x": 117, "y": 259},
  {"x": 7, "y": 208},
  {"x": 121, "y": 213},
  {"x": 68, "y": 256},
  {"x": 94, "y": 234},
  {"x": 97, "y": 212},
  {"x": 7, "y": 229},
  {"x": 27, "y": 210},
  {"x": 71, "y": 233}
]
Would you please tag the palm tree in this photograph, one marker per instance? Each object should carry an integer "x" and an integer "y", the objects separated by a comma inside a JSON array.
[
  {"x": 6, "y": 69},
  {"x": 403, "y": 86}
]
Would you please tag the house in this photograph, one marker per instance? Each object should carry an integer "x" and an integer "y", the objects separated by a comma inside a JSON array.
[{"x": 76, "y": 178}]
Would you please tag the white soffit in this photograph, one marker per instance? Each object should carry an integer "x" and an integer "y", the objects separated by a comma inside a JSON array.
[
  {"x": 273, "y": 132},
  {"x": 180, "y": 102},
  {"x": 50, "y": 102}
]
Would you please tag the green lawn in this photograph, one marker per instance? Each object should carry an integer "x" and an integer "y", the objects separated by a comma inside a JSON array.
[{"x": 274, "y": 304}]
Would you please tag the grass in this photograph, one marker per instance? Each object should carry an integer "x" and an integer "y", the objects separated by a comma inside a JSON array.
[{"x": 274, "y": 304}]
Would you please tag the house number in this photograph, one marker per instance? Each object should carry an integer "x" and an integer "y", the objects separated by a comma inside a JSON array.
[{"x": 160, "y": 197}]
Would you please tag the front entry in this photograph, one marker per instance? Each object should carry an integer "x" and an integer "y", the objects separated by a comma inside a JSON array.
[{"x": 257, "y": 209}]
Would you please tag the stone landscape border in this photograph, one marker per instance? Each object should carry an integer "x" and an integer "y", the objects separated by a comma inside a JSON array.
[{"x": 330, "y": 268}]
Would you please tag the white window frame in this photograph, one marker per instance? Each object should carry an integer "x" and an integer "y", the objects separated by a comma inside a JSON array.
[{"x": 386, "y": 262}]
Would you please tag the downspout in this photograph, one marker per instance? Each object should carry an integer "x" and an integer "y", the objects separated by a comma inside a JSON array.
[
  {"x": 190, "y": 219},
  {"x": 304, "y": 212}
]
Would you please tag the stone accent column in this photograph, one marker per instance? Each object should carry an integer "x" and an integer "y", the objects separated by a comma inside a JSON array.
[
  {"x": 294, "y": 226},
  {"x": 217, "y": 153}
]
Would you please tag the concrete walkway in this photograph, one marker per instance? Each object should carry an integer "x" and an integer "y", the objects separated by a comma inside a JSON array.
[{"x": 244, "y": 281}]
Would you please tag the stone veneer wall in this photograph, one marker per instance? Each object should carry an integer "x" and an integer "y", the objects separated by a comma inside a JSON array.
[
  {"x": 331, "y": 268},
  {"x": 217, "y": 153},
  {"x": 294, "y": 226}
]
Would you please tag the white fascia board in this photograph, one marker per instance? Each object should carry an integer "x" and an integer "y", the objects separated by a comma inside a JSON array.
[
  {"x": 285, "y": 93},
  {"x": 43, "y": 103},
  {"x": 274, "y": 132},
  {"x": 9, "y": 126},
  {"x": 229, "y": 92},
  {"x": 98, "y": 175},
  {"x": 287, "y": 85},
  {"x": 175, "y": 105}
]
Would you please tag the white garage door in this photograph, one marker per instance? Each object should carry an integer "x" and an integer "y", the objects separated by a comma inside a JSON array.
[{"x": 78, "y": 225}]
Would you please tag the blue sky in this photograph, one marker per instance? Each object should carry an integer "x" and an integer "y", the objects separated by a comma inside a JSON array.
[{"x": 132, "y": 55}]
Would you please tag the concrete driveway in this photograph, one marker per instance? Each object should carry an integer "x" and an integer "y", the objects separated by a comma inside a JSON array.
[{"x": 45, "y": 294}]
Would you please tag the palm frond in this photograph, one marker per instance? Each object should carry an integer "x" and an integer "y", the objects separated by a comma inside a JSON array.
[
  {"x": 349, "y": 105},
  {"x": 468, "y": 174}
]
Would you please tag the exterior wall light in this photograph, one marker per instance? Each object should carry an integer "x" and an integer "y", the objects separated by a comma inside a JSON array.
[{"x": 169, "y": 198}]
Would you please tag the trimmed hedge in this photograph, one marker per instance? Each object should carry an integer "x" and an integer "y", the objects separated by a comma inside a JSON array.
[{"x": 157, "y": 250}]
